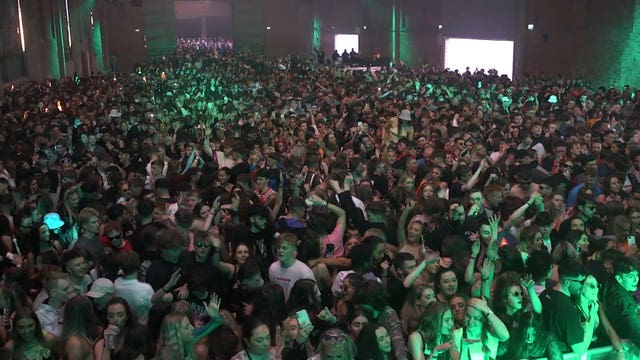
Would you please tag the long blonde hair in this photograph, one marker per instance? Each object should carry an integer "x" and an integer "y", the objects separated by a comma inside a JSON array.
[{"x": 170, "y": 340}]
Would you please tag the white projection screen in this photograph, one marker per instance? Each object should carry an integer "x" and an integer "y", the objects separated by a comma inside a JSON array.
[
  {"x": 482, "y": 54},
  {"x": 346, "y": 41}
]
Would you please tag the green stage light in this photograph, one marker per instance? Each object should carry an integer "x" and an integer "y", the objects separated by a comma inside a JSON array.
[{"x": 317, "y": 31}]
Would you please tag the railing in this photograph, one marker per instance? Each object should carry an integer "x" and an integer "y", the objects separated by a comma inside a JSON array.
[{"x": 602, "y": 353}]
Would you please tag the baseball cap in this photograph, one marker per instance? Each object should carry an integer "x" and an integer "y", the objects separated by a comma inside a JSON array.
[{"x": 100, "y": 288}]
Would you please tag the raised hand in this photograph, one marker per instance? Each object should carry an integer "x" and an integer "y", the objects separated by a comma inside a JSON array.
[
  {"x": 173, "y": 280},
  {"x": 494, "y": 223},
  {"x": 528, "y": 282},
  {"x": 488, "y": 267},
  {"x": 213, "y": 307},
  {"x": 215, "y": 238},
  {"x": 305, "y": 331},
  {"x": 183, "y": 292},
  {"x": 480, "y": 305}
]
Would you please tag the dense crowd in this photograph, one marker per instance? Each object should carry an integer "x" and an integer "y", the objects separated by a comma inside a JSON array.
[{"x": 212, "y": 205}]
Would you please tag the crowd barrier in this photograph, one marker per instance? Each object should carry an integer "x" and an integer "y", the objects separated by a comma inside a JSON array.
[{"x": 602, "y": 353}]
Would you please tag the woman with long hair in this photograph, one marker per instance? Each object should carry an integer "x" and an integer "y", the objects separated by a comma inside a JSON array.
[
  {"x": 374, "y": 343},
  {"x": 335, "y": 344},
  {"x": 256, "y": 341},
  {"x": 68, "y": 210},
  {"x": 305, "y": 294},
  {"x": 28, "y": 341},
  {"x": 354, "y": 321},
  {"x": 123, "y": 336},
  {"x": 373, "y": 298},
  {"x": 414, "y": 306},
  {"x": 612, "y": 190},
  {"x": 350, "y": 285},
  {"x": 178, "y": 338},
  {"x": 481, "y": 333},
  {"x": 530, "y": 240},
  {"x": 269, "y": 305},
  {"x": 433, "y": 337},
  {"x": 515, "y": 302},
  {"x": 240, "y": 252},
  {"x": 81, "y": 328},
  {"x": 514, "y": 296}
]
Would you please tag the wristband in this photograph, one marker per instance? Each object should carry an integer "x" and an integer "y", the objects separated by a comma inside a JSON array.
[{"x": 489, "y": 313}]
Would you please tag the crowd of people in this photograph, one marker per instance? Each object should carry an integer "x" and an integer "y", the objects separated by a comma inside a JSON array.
[{"x": 212, "y": 205}]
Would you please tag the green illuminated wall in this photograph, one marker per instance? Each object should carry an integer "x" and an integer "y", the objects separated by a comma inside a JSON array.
[
  {"x": 406, "y": 39},
  {"x": 97, "y": 46},
  {"x": 630, "y": 59},
  {"x": 394, "y": 34}
]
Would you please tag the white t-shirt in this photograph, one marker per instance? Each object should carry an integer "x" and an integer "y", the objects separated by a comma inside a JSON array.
[
  {"x": 473, "y": 350},
  {"x": 287, "y": 277},
  {"x": 137, "y": 294}
]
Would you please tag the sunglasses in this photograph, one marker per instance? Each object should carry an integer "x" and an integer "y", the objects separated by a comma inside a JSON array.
[
  {"x": 517, "y": 294},
  {"x": 115, "y": 237},
  {"x": 202, "y": 245},
  {"x": 333, "y": 336}
]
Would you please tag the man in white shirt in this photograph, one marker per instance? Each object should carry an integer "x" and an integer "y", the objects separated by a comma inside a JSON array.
[
  {"x": 137, "y": 294},
  {"x": 287, "y": 269},
  {"x": 50, "y": 311}
]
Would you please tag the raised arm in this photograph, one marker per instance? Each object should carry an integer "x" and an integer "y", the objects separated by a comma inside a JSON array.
[
  {"x": 165, "y": 291},
  {"x": 474, "y": 179},
  {"x": 417, "y": 271},
  {"x": 279, "y": 198},
  {"x": 533, "y": 199},
  {"x": 487, "y": 272},
  {"x": 496, "y": 326},
  {"x": 227, "y": 269},
  {"x": 207, "y": 145},
  {"x": 471, "y": 266},
  {"x": 401, "y": 231},
  {"x": 536, "y": 304}
]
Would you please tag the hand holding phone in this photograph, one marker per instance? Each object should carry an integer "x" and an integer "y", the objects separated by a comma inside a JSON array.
[
  {"x": 631, "y": 240},
  {"x": 303, "y": 318}
]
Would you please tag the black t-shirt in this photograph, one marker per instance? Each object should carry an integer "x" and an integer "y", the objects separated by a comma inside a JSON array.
[
  {"x": 214, "y": 279},
  {"x": 261, "y": 242},
  {"x": 159, "y": 273},
  {"x": 561, "y": 318},
  {"x": 5, "y": 228},
  {"x": 398, "y": 293}
]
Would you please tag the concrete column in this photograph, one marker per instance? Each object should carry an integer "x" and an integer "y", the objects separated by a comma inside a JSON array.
[{"x": 160, "y": 27}]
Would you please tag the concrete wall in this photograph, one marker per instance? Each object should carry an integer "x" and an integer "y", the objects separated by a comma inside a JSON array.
[
  {"x": 159, "y": 27},
  {"x": 588, "y": 38},
  {"x": 122, "y": 40}
]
